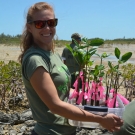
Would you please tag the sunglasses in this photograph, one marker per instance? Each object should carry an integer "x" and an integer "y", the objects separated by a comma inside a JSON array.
[
  {"x": 39, "y": 24},
  {"x": 78, "y": 39}
]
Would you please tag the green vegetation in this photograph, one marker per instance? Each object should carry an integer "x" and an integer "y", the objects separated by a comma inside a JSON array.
[
  {"x": 11, "y": 84},
  {"x": 128, "y": 71},
  {"x": 61, "y": 43},
  {"x": 10, "y": 40},
  {"x": 121, "y": 41},
  {"x": 15, "y": 40}
]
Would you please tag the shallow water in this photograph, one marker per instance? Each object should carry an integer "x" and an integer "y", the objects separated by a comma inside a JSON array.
[{"x": 112, "y": 58}]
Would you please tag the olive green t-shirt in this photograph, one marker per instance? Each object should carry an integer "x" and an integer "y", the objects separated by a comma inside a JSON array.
[
  {"x": 128, "y": 127},
  {"x": 71, "y": 62},
  {"x": 47, "y": 122}
]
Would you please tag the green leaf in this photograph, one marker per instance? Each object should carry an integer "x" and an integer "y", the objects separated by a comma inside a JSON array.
[
  {"x": 126, "y": 56},
  {"x": 92, "y": 72},
  {"x": 82, "y": 47},
  {"x": 117, "y": 53},
  {"x": 96, "y": 73},
  {"x": 86, "y": 58},
  {"x": 93, "y": 49},
  {"x": 101, "y": 74},
  {"x": 120, "y": 62},
  {"x": 79, "y": 58},
  {"x": 92, "y": 52},
  {"x": 97, "y": 55},
  {"x": 116, "y": 67},
  {"x": 100, "y": 67},
  {"x": 84, "y": 39},
  {"x": 90, "y": 63},
  {"x": 69, "y": 47},
  {"x": 110, "y": 64},
  {"x": 96, "y": 42},
  {"x": 104, "y": 55}
]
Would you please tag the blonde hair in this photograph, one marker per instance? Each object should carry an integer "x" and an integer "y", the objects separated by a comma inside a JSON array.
[{"x": 27, "y": 38}]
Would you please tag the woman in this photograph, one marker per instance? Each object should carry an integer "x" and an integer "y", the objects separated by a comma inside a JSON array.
[{"x": 47, "y": 79}]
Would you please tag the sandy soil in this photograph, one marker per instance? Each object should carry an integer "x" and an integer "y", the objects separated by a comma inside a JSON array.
[{"x": 12, "y": 52}]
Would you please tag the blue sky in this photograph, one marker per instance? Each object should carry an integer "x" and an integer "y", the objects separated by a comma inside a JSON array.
[{"x": 107, "y": 19}]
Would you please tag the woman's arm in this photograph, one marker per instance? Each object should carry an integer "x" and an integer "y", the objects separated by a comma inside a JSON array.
[{"x": 45, "y": 88}]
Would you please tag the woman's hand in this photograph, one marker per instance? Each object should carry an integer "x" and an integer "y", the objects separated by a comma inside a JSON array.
[{"x": 111, "y": 122}]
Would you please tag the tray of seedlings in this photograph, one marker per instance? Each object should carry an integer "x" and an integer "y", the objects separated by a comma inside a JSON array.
[{"x": 97, "y": 85}]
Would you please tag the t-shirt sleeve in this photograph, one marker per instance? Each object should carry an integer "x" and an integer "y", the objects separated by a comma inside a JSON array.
[{"x": 32, "y": 63}]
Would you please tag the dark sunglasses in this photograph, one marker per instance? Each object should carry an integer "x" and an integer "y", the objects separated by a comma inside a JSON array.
[
  {"x": 78, "y": 39},
  {"x": 39, "y": 24}
]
